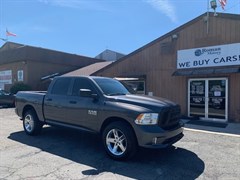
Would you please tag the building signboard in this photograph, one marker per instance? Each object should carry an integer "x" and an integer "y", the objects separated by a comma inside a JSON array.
[
  {"x": 212, "y": 56},
  {"x": 6, "y": 77}
]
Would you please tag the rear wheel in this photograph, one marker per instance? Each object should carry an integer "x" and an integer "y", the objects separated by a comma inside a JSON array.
[
  {"x": 31, "y": 123},
  {"x": 119, "y": 141}
]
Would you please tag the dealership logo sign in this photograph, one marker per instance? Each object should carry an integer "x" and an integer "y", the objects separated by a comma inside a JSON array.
[
  {"x": 223, "y": 55},
  {"x": 198, "y": 52},
  {"x": 209, "y": 51}
]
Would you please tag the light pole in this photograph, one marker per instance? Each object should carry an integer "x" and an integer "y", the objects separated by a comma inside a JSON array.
[{"x": 214, "y": 6}]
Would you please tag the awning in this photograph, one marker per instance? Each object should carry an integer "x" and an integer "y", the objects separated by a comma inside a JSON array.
[
  {"x": 49, "y": 76},
  {"x": 193, "y": 72},
  {"x": 131, "y": 78}
]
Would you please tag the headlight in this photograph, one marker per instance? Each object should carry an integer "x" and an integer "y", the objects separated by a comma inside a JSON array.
[{"x": 147, "y": 119}]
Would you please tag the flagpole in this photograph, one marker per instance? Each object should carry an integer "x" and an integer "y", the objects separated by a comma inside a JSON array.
[
  {"x": 207, "y": 16},
  {"x": 6, "y": 36}
]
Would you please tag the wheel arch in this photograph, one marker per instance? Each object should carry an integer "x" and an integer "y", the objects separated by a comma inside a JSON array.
[
  {"x": 117, "y": 119},
  {"x": 27, "y": 108},
  {"x": 32, "y": 126}
]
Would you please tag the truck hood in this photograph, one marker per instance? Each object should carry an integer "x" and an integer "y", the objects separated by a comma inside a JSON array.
[{"x": 149, "y": 102}]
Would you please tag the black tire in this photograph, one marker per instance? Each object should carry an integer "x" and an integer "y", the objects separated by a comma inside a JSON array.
[
  {"x": 119, "y": 141},
  {"x": 31, "y": 124}
]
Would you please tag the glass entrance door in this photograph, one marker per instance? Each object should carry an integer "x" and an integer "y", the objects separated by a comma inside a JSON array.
[
  {"x": 197, "y": 98},
  {"x": 217, "y": 99},
  {"x": 208, "y": 98}
]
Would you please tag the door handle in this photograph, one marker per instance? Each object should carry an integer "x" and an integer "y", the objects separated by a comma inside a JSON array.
[
  {"x": 49, "y": 99},
  {"x": 73, "y": 102}
]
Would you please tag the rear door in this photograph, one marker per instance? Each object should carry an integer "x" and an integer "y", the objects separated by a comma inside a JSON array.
[{"x": 56, "y": 101}]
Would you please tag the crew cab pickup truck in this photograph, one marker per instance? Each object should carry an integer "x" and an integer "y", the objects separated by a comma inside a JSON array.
[{"x": 104, "y": 106}]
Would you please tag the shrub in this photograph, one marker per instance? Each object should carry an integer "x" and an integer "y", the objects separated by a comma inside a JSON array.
[{"x": 19, "y": 87}]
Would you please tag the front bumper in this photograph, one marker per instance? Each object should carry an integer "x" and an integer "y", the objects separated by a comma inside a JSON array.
[{"x": 156, "y": 137}]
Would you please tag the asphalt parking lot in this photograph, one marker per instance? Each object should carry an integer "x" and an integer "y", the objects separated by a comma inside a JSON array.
[{"x": 68, "y": 154}]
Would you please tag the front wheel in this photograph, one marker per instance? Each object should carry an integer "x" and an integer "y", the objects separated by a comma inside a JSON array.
[
  {"x": 119, "y": 141},
  {"x": 31, "y": 123}
]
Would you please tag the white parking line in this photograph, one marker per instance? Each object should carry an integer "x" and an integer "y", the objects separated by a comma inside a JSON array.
[{"x": 210, "y": 132}]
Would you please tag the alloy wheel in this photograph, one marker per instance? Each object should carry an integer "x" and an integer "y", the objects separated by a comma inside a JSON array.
[
  {"x": 116, "y": 142},
  {"x": 29, "y": 123}
]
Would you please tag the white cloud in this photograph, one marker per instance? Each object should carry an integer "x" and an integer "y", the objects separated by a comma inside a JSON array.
[
  {"x": 166, "y": 7},
  {"x": 76, "y": 4}
]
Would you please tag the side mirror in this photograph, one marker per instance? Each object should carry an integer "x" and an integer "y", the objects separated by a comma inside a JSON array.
[{"x": 87, "y": 93}]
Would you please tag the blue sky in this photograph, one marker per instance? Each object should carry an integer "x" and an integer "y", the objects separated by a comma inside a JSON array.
[{"x": 88, "y": 27}]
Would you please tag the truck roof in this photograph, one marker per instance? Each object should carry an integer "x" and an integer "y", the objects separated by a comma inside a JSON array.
[{"x": 89, "y": 77}]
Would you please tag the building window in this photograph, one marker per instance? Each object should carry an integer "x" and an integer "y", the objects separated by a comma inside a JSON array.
[
  {"x": 138, "y": 86},
  {"x": 20, "y": 75}
]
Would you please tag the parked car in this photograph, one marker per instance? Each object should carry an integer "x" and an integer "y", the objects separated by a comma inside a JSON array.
[
  {"x": 7, "y": 99},
  {"x": 104, "y": 106}
]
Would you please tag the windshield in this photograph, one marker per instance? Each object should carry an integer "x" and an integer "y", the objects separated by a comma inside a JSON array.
[{"x": 111, "y": 87}]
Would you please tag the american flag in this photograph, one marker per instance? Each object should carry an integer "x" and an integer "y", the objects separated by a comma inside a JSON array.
[
  {"x": 9, "y": 33},
  {"x": 223, "y": 3}
]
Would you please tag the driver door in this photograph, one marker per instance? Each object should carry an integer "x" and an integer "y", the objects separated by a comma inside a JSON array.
[{"x": 83, "y": 111}]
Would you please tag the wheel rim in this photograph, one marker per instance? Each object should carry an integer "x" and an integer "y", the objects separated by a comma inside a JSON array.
[
  {"x": 28, "y": 123},
  {"x": 116, "y": 142}
]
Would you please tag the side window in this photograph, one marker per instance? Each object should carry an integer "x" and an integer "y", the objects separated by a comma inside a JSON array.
[
  {"x": 81, "y": 84},
  {"x": 61, "y": 86}
]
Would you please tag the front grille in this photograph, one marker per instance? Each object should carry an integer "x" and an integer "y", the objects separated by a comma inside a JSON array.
[{"x": 169, "y": 117}]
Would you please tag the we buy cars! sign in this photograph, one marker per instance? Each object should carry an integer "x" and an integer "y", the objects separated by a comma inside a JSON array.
[{"x": 222, "y": 55}]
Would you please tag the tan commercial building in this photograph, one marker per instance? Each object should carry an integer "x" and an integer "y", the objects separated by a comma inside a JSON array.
[
  {"x": 34, "y": 66},
  {"x": 196, "y": 65}
]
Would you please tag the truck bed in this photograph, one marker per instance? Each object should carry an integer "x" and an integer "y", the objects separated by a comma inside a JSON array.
[{"x": 31, "y": 98}]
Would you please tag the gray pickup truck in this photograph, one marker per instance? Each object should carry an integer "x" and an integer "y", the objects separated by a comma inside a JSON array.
[{"x": 105, "y": 106}]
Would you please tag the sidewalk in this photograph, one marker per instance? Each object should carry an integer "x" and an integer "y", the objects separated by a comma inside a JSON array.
[{"x": 231, "y": 128}]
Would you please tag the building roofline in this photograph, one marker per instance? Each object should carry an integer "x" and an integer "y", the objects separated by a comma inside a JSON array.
[
  {"x": 88, "y": 70},
  {"x": 36, "y": 47},
  {"x": 29, "y": 53},
  {"x": 110, "y": 51}
]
